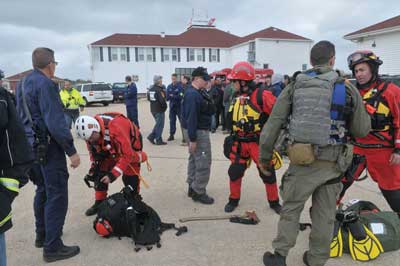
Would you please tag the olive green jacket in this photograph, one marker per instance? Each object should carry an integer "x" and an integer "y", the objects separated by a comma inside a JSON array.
[{"x": 359, "y": 123}]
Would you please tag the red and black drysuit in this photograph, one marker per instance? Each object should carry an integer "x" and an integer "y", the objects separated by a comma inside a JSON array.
[
  {"x": 373, "y": 152},
  {"x": 245, "y": 146},
  {"x": 117, "y": 153}
]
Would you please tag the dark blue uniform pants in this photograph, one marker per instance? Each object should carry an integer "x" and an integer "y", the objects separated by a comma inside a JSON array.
[
  {"x": 51, "y": 199},
  {"x": 132, "y": 114},
  {"x": 174, "y": 111}
]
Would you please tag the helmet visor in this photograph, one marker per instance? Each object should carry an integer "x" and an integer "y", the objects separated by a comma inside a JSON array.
[{"x": 359, "y": 57}]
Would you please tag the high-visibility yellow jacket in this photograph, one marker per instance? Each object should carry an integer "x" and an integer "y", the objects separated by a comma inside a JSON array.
[{"x": 71, "y": 99}]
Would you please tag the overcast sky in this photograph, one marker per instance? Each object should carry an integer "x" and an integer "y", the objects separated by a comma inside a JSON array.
[{"x": 69, "y": 26}]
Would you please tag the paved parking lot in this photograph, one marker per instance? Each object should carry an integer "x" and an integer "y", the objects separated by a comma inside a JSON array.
[{"x": 216, "y": 243}]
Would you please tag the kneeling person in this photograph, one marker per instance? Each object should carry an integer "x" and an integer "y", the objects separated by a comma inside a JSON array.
[{"x": 115, "y": 147}]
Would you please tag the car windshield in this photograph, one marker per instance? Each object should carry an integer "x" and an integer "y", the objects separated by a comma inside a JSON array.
[
  {"x": 100, "y": 87},
  {"x": 119, "y": 85}
]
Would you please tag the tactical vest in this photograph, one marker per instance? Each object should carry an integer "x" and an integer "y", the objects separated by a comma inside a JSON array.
[
  {"x": 105, "y": 148},
  {"x": 381, "y": 120},
  {"x": 318, "y": 110}
]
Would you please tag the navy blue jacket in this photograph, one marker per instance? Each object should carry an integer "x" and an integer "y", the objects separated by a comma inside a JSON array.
[
  {"x": 198, "y": 108},
  {"x": 43, "y": 100},
  {"x": 175, "y": 95},
  {"x": 131, "y": 95}
]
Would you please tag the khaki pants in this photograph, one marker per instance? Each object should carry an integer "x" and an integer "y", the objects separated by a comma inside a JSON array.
[{"x": 298, "y": 184}]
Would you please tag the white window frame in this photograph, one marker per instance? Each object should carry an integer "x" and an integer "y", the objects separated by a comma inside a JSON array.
[
  {"x": 149, "y": 54},
  {"x": 123, "y": 55},
  {"x": 96, "y": 54},
  {"x": 174, "y": 54},
  {"x": 199, "y": 55},
  {"x": 166, "y": 54},
  {"x": 214, "y": 55},
  {"x": 192, "y": 54},
  {"x": 141, "y": 54},
  {"x": 114, "y": 54}
]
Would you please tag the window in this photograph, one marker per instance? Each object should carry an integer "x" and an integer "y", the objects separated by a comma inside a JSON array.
[
  {"x": 140, "y": 54},
  {"x": 199, "y": 55},
  {"x": 114, "y": 54},
  {"x": 191, "y": 54},
  {"x": 149, "y": 54},
  {"x": 174, "y": 52},
  {"x": 304, "y": 67},
  {"x": 214, "y": 55},
  {"x": 266, "y": 66},
  {"x": 166, "y": 55},
  {"x": 252, "y": 47},
  {"x": 96, "y": 54},
  {"x": 183, "y": 71},
  {"x": 122, "y": 52}
]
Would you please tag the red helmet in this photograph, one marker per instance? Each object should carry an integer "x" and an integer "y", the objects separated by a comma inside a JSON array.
[
  {"x": 103, "y": 227},
  {"x": 362, "y": 56},
  {"x": 242, "y": 71}
]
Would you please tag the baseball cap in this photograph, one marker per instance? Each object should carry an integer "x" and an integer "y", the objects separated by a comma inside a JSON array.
[{"x": 201, "y": 72}]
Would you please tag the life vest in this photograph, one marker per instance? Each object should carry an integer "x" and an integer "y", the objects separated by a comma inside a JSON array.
[
  {"x": 319, "y": 109},
  {"x": 105, "y": 149},
  {"x": 247, "y": 118},
  {"x": 381, "y": 119}
]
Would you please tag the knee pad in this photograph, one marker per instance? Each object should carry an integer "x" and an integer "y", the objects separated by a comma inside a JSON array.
[
  {"x": 268, "y": 179},
  {"x": 393, "y": 198},
  {"x": 236, "y": 171}
]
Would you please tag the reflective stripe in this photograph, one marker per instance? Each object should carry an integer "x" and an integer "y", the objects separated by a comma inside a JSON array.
[
  {"x": 8, "y": 217},
  {"x": 10, "y": 184},
  {"x": 118, "y": 170},
  {"x": 397, "y": 141}
]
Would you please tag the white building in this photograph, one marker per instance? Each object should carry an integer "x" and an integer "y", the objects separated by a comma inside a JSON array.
[
  {"x": 384, "y": 40},
  {"x": 144, "y": 55}
]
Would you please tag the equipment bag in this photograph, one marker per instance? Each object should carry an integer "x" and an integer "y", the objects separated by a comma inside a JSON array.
[{"x": 125, "y": 214}]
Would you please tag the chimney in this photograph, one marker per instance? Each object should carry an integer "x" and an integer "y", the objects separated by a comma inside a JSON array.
[{"x": 162, "y": 34}]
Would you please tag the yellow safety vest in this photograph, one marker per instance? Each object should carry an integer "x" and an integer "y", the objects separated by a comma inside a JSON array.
[
  {"x": 71, "y": 99},
  {"x": 382, "y": 115},
  {"x": 12, "y": 185},
  {"x": 245, "y": 116}
]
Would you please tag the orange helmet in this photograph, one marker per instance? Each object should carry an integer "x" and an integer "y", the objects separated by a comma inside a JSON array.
[
  {"x": 362, "y": 56},
  {"x": 103, "y": 227},
  {"x": 242, "y": 71}
]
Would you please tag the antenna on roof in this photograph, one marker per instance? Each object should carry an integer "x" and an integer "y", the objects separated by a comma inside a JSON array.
[{"x": 200, "y": 19}]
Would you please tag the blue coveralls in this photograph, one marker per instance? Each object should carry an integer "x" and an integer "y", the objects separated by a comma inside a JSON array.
[
  {"x": 131, "y": 103},
  {"x": 174, "y": 96},
  {"x": 51, "y": 178}
]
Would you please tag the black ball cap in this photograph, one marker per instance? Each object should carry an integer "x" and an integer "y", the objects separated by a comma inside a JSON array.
[{"x": 201, "y": 72}]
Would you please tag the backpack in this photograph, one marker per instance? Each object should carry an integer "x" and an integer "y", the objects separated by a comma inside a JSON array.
[{"x": 124, "y": 214}]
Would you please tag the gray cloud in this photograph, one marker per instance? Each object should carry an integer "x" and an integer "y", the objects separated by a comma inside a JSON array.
[{"x": 69, "y": 26}]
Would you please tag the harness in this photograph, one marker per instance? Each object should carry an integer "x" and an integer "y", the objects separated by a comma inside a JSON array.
[{"x": 105, "y": 149}]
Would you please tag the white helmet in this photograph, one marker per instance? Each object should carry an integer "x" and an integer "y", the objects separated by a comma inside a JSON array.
[{"x": 85, "y": 125}]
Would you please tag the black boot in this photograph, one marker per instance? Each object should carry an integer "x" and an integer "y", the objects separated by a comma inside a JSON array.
[
  {"x": 202, "y": 198},
  {"x": 39, "y": 241},
  {"x": 161, "y": 142},
  {"x": 275, "y": 206},
  {"x": 276, "y": 259},
  {"x": 231, "y": 205},
  {"x": 65, "y": 252},
  {"x": 151, "y": 139},
  {"x": 93, "y": 210},
  {"x": 305, "y": 260},
  {"x": 190, "y": 192},
  {"x": 171, "y": 137}
]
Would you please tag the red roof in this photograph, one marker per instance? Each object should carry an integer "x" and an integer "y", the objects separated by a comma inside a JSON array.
[
  {"x": 390, "y": 23},
  {"x": 272, "y": 33},
  {"x": 19, "y": 76},
  {"x": 195, "y": 37}
]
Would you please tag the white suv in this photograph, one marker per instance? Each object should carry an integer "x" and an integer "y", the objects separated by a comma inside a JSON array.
[{"x": 96, "y": 93}]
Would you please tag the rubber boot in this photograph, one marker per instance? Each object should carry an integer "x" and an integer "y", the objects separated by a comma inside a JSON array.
[
  {"x": 275, "y": 259},
  {"x": 93, "y": 210},
  {"x": 231, "y": 205}
]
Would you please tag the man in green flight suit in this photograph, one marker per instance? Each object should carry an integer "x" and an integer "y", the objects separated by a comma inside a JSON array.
[{"x": 321, "y": 111}]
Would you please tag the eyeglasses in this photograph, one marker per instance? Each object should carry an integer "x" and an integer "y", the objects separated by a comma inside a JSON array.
[{"x": 54, "y": 62}]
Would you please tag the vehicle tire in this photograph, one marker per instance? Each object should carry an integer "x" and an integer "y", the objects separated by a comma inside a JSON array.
[{"x": 105, "y": 103}]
